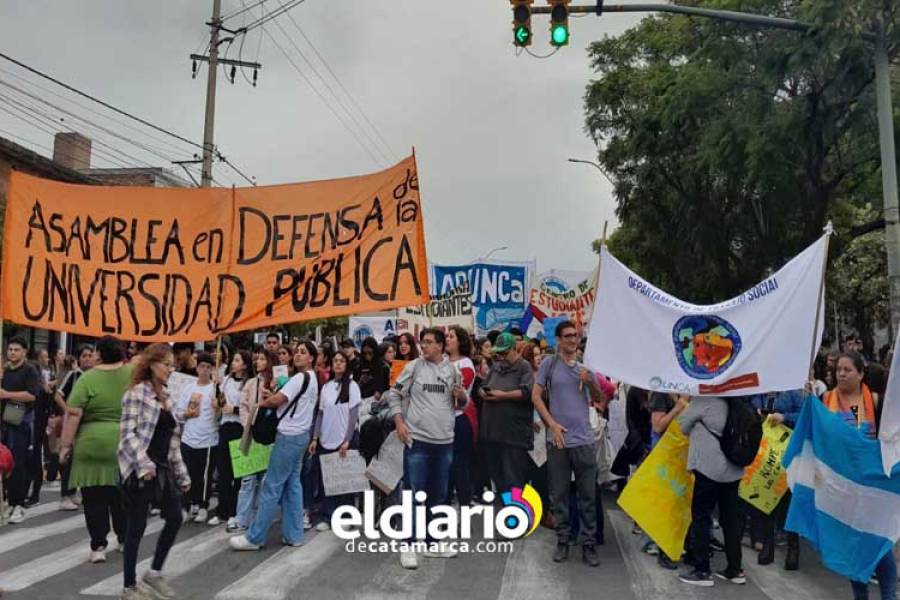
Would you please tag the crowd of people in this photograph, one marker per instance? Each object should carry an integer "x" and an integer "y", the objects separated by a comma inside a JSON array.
[{"x": 470, "y": 412}]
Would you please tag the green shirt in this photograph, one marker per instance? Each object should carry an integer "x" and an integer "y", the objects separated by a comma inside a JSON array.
[{"x": 98, "y": 393}]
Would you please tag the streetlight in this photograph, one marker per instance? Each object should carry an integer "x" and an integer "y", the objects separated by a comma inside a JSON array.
[
  {"x": 597, "y": 166},
  {"x": 497, "y": 249}
]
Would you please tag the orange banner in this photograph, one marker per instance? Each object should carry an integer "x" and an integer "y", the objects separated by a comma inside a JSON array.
[{"x": 169, "y": 264}]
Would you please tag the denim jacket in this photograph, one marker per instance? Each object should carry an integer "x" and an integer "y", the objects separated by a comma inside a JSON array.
[{"x": 787, "y": 403}]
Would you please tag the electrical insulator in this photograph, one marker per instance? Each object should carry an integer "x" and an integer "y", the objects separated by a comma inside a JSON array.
[
  {"x": 255, "y": 74},
  {"x": 233, "y": 73},
  {"x": 193, "y": 69}
]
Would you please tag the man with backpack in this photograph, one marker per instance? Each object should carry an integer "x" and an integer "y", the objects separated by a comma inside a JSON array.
[
  {"x": 724, "y": 437},
  {"x": 572, "y": 390}
]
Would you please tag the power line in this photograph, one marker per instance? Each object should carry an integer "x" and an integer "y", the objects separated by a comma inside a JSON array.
[
  {"x": 243, "y": 10},
  {"x": 320, "y": 95},
  {"x": 283, "y": 8},
  {"x": 338, "y": 80}
]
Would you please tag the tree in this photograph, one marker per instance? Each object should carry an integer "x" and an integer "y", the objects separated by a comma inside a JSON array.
[{"x": 732, "y": 146}]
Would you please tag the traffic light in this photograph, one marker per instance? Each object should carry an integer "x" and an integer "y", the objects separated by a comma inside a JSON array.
[
  {"x": 521, "y": 22},
  {"x": 559, "y": 22}
]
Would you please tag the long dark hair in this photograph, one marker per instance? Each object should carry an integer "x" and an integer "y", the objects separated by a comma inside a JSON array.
[
  {"x": 311, "y": 350},
  {"x": 344, "y": 381},
  {"x": 464, "y": 340},
  {"x": 249, "y": 367},
  {"x": 272, "y": 360},
  {"x": 413, "y": 348}
]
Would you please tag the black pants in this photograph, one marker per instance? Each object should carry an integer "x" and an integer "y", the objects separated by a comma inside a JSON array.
[
  {"x": 18, "y": 439},
  {"x": 102, "y": 503},
  {"x": 228, "y": 485},
  {"x": 200, "y": 463},
  {"x": 64, "y": 489},
  {"x": 36, "y": 459},
  {"x": 138, "y": 496},
  {"x": 707, "y": 495},
  {"x": 561, "y": 464},
  {"x": 461, "y": 468},
  {"x": 508, "y": 465},
  {"x": 767, "y": 527}
]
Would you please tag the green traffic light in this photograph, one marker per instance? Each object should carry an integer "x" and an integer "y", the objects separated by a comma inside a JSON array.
[
  {"x": 559, "y": 36},
  {"x": 522, "y": 35}
]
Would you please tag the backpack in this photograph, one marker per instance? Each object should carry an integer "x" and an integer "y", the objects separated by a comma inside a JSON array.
[
  {"x": 742, "y": 434},
  {"x": 265, "y": 426}
]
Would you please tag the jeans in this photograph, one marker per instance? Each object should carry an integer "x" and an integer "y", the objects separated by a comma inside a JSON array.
[
  {"x": 18, "y": 439},
  {"x": 102, "y": 502},
  {"x": 575, "y": 526},
  {"x": 460, "y": 470},
  {"x": 137, "y": 503},
  {"x": 561, "y": 463},
  {"x": 36, "y": 457},
  {"x": 200, "y": 463},
  {"x": 248, "y": 498},
  {"x": 886, "y": 573},
  {"x": 507, "y": 465},
  {"x": 427, "y": 467},
  {"x": 707, "y": 495},
  {"x": 229, "y": 487},
  {"x": 281, "y": 485}
]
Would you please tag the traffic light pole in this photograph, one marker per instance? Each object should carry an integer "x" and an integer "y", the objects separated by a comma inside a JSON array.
[{"x": 884, "y": 106}]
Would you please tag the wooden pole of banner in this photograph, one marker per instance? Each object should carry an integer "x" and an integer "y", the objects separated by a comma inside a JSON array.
[{"x": 829, "y": 231}]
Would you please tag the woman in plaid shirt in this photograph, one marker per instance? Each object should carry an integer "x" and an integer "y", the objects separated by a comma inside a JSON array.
[{"x": 151, "y": 467}]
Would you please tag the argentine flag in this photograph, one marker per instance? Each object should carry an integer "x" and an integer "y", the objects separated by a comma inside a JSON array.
[{"x": 843, "y": 502}]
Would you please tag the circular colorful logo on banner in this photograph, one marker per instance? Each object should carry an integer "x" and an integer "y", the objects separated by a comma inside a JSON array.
[{"x": 706, "y": 345}]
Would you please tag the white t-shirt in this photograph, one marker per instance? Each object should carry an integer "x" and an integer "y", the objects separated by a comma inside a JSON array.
[
  {"x": 201, "y": 431},
  {"x": 231, "y": 389},
  {"x": 336, "y": 417},
  {"x": 302, "y": 417}
]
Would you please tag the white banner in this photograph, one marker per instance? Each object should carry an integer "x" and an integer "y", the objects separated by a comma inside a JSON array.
[
  {"x": 759, "y": 341},
  {"x": 376, "y": 327},
  {"x": 444, "y": 310}
]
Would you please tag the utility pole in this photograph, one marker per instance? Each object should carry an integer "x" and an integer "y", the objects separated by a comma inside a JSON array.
[
  {"x": 209, "y": 121},
  {"x": 884, "y": 107}
]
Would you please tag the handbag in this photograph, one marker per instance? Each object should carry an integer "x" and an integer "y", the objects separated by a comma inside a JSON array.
[
  {"x": 265, "y": 426},
  {"x": 13, "y": 413}
]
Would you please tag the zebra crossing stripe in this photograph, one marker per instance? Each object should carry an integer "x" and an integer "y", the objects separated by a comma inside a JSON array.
[{"x": 17, "y": 536}]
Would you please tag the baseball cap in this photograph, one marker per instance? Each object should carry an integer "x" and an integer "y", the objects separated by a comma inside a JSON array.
[{"x": 505, "y": 342}]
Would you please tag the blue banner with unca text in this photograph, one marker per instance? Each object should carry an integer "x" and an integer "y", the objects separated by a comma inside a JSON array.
[{"x": 499, "y": 290}]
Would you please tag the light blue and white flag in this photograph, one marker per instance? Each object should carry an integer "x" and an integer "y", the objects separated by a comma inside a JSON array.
[{"x": 843, "y": 502}]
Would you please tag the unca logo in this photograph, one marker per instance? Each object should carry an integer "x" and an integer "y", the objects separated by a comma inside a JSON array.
[
  {"x": 706, "y": 345},
  {"x": 529, "y": 501},
  {"x": 555, "y": 283},
  {"x": 361, "y": 333}
]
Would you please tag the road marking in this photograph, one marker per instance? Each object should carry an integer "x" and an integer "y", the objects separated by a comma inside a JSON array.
[
  {"x": 529, "y": 573},
  {"x": 184, "y": 557},
  {"x": 58, "y": 562},
  {"x": 20, "y": 535},
  {"x": 274, "y": 578},
  {"x": 648, "y": 580}
]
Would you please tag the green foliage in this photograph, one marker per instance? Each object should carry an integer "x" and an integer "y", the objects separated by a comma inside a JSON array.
[{"x": 732, "y": 146}]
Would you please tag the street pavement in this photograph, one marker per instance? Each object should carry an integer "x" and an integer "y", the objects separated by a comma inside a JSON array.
[{"x": 46, "y": 558}]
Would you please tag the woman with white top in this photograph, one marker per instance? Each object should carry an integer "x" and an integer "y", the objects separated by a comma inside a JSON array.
[
  {"x": 197, "y": 410},
  {"x": 295, "y": 404},
  {"x": 336, "y": 425},
  {"x": 459, "y": 351},
  {"x": 230, "y": 429}
]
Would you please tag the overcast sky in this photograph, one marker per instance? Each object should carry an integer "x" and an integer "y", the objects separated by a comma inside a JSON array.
[{"x": 492, "y": 130}]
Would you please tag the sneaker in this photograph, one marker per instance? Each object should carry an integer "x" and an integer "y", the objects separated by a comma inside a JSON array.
[
  {"x": 194, "y": 510},
  {"x": 155, "y": 512},
  {"x": 67, "y": 504},
  {"x": 159, "y": 585},
  {"x": 322, "y": 526},
  {"x": 284, "y": 542},
  {"x": 665, "y": 562},
  {"x": 17, "y": 515},
  {"x": 97, "y": 556},
  {"x": 214, "y": 521},
  {"x": 408, "y": 560},
  {"x": 562, "y": 552},
  {"x": 738, "y": 578},
  {"x": 29, "y": 502},
  {"x": 201, "y": 516},
  {"x": 695, "y": 577},
  {"x": 240, "y": 542},
  {"x": 307, "y": 524},
  {"x": 138, "y": 592},
  {"x": 589, "y": 555},
  {"x": 232, "y": 524},
  {"x": 650, "y": 548},
  {"x": 76, "y": 499}
]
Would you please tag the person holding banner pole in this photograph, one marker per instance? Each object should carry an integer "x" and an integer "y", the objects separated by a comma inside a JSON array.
[
  {"x": 230, "y": 429},
  {"x": 571, "y": 391}
]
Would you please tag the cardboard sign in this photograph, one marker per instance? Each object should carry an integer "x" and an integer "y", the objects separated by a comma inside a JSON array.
[
  {"x": 765, "y": 480},
  {"x": 182, "y": 264},
  {"x": 658, "y": 496},
  {"x": 386, "y": 470},
  {"x": 256, "y": 460},
  {"x": 343, "y": 475}
]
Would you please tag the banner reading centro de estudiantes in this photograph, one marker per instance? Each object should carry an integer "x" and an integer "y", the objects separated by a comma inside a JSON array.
[
  {"x": 188, "y": 264},
  {"x": 759, "y": 341},
  {"x": 499, "y": 290}
]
